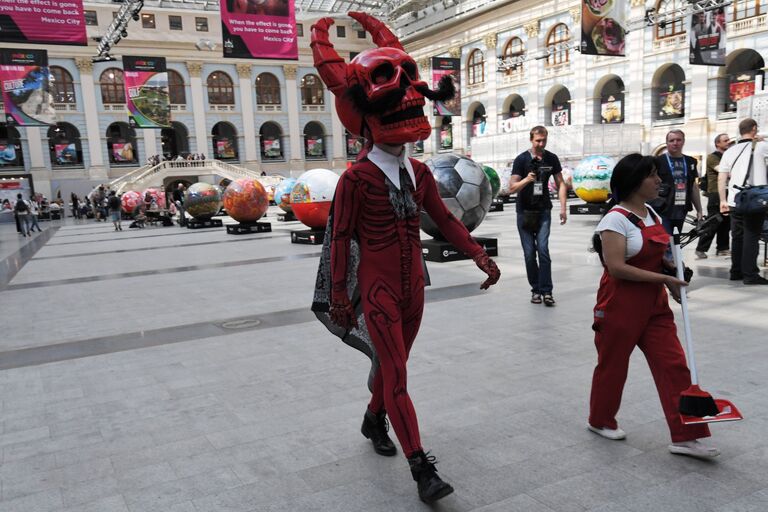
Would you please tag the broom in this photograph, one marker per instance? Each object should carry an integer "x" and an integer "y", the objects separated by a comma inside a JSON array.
[{"x": 693, "y": 401}]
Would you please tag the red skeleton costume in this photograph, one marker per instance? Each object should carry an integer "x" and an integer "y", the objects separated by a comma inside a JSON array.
[{"x": 374, "y": 248}]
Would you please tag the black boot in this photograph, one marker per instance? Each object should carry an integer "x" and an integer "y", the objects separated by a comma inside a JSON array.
[
  {"x": 431, "y": 487},
  {"x": 375, "y": 427}
]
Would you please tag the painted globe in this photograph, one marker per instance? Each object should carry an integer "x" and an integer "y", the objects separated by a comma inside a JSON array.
[
  {"x": 157, "y": 194},
  {"x": 246, "y": 200},
  {"x": 130, "y": 201},
  {"x": 567, "y": 174},
  {"x": 311, "y": 197},
  {"x": 592, "y": 178},
  {"x": 283, "y": 194},
  {"x": 505, "y": 181},
  {"x": 202, "y": 200},
  {"x": 463, "y": 187},
  {"x": 493, "y": 178}
]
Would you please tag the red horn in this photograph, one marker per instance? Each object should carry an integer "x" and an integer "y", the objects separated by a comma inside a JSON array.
[
  {"x": 382, "y": 36},
  {"x": 332, "y": 68}
]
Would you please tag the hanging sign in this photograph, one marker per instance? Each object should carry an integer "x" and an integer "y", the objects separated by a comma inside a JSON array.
[
  {"x": 707, "y": 37},
  {"x": 42, "y": 22},
  {"x": 146, "y": 92},
  {"x": 259, "y": 29},
  {"x": 603, "y": 27},
  {"x": 25, "y": 80}
]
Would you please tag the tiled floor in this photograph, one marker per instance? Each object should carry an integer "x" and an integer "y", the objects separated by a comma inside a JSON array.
[{"x": 175, "y": 370}]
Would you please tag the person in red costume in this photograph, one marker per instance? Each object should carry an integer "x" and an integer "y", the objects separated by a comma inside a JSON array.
[{"x": 374, "y": 282}]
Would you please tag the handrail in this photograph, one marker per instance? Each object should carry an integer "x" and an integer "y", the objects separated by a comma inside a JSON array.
[{"x": 224, "y": 169}]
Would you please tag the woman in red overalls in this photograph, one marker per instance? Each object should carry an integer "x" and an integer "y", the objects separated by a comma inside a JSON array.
[{"x": 633, "y": 309}]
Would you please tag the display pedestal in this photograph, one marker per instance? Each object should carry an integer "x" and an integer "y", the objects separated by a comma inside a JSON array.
[
  {"x": 440, "y": 251},
  {"x": 308, "y": 236},
  {"x": 249, "y": 227},
  {"x": 286, "y": 217},
  {"x": 589, "y": 209},
  {"x": 497, "y": 205},
  {"x": 203, "y": 223}
]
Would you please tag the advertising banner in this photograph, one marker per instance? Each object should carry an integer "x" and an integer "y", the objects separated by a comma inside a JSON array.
[
  {"x": 123, "y": 152},
  {"x": 603, "y": 27},
  {"x": 8, "y": 154},
  {"x": 561, "y": 114},
  {"x": 741, "y": 86},
  {"x": 42, "y": 22},
  {"x": 254, "y": 29},
  {"x": 314, "y": 147},
  {"x": 272, "y": 148},
  {"x": 65, "y": 153},
  {"x": 672, "y": 102},
  {"x": 442, "y": 66},
  {"x": 612, "y": 109},
  {"x": 26, "y": 92},
  {"x": 707, "y": 37},
  {"x": 446, "y": 136},
  {"x": 224, "y": 149},
  {"x": 146, "y": 92},
  {"x": 354, "y": 145}
]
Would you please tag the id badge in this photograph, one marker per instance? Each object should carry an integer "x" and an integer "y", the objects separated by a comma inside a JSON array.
[
  {"x": 680, "y": 194},
  {"x": 538, "y": 188}
]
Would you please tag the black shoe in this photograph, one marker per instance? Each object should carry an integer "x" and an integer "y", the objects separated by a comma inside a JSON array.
[
  {"x": 375, "y": 428},
  {"x": 756, "y": 280},
  {"x": 738, "y": 276},
  {"x": 431, "y": 487}
]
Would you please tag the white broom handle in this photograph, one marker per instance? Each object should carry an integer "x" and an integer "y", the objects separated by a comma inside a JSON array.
[{"x": 677, "y": 254}]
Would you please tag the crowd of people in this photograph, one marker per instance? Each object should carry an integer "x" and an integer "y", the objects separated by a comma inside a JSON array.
[{"x": 156, "y": 159}]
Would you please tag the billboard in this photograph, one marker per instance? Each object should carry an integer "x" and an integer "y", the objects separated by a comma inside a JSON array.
[
  {"x": 42, "y": 22},
  {"x": 672, "y": 102},
  {"x": 707, "y": 37},
  {"x": 603, "y": 27},
  {"x": 253, "y": 29},
  {"x": 740, "y": 86},
  {"x": 442, "y": 66},
  {"x": 26, "y": 92},
  {"x": 612, "y": 109},
  {"x": 561, "y": 114},
  {"x": 146, "y": 92}
]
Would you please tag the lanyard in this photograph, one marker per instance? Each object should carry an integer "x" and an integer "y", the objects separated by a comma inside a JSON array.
[{"x": 672, "y": 167}]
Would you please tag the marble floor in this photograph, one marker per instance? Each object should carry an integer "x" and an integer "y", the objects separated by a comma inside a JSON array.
[{"x": 179, "y": 370}]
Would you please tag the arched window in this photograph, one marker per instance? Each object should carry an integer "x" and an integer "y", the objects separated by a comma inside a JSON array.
[
  {"x": 62, "y": 86},
  {"x": 312, "y": 90},
  {"x": 609, "y": 101},
  {"x": 177, "y": 94},
  {"x": 112, "y": 86},
  {"x": 476, "y": 68},
  {"x": 515, "y": 108},
  {"x": 559, "y": 107},
  {"x": 478, "y": 122},
  {"x": 64, "y": 145},
  {"x": 224, "y": 141},
  {"x": 739, "y": 80},
  {"x": 314, "y": 141},
  {"x": 669, "y": 93},
  {"x": 175, "y": 140},
  {"x": 267, "y": 89},
  {"x": 220, "y": 89},
  {"x": 10, "y": 147},
  {"x": 121, "y": 144},
  {"x": 512, "y": 56},
  {"x": 557, "y": 45},
  {"x": 671, "y": 12},
  {"x": 446, "y": 133},
  {"x": 270, "y": 136}
]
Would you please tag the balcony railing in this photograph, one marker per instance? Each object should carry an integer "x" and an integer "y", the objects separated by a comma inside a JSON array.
[
  {"x": 313, "y": 108},
  {"x": 671, "y": 43},
  {"x": 65, "y": 107},
  {"x": 269, "y": 108},
  {"x": 748, "y": 25},
  {"x": 223, "y": 108}
]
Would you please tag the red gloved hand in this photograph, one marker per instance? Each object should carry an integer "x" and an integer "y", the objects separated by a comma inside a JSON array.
[
  {"x": 487, "y": 265},
  {"x": 343, "y": 314}
]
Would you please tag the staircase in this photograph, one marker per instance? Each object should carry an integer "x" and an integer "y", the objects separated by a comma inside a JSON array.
[{"x": 153, "y": 176}]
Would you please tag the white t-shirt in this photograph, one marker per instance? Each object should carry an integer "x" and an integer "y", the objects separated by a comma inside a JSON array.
[
  {"x": 619, "y": 223},
  {"x": 736, "y": 161}
]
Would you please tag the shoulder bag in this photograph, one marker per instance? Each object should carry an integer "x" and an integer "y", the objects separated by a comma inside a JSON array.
[{"x": 751, "y": 198}]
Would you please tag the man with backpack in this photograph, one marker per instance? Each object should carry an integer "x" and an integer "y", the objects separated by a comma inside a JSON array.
[
  {"x": 708, "y": 184},
  {"x": 21, "y": 209},
  {"x": 113, "y": 203}
]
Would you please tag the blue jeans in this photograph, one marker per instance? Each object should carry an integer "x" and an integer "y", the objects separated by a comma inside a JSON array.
[{"x": 539, "y": 273}]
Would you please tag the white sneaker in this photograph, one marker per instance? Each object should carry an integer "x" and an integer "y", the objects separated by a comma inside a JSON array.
[
  {"x": 694, "y": 449},
  {"x": 615, "y": 434}
]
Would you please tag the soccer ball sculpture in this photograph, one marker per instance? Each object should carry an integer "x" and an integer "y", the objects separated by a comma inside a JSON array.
[
  {"x": 283, "y": 194},
  {"x": 312, "y": 195},
  {"x": 203, "y": 200},
  {"x": 493, "y": 178},
  {"x": 130, "y": 201},
  {"x": 592, "y": 178},
  {"x": 246, "y": 200},
  {"x": 464, "y": 188}
]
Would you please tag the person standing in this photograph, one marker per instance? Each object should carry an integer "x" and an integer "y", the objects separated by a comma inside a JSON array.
[
  {"x": 178, "y": 199},
  {"x": 632, "y": 309},
  {"x": 113, "y": 203},
  {"x": 744, "y": 163},
  {"x": 530, "y": 178},
  {"x": 678, "y": 194},
  {"x": 722, "y": 142},
  {"x": 34, "y": 211},
  {"x": 21, "y": 209}
]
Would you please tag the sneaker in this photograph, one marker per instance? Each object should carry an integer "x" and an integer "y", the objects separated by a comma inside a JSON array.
[
  {"x": 724, "y": 252},
  {"x": 535, "y": 298},
  {"x": 757, "y": 280},
  {"x": 701, "y": 255},
  {"x": 615, "y": 434},
  {"x": 694, "y": 449}
]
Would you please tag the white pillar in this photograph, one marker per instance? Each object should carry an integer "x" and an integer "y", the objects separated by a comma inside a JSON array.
[
  {"x": 150, "y": 143},
  {"x": 294, "y": 130},
  {"x": 93, "y": 132},
  {"x": 338, "y": 153},
  {"x": 698, "y": 89},
  {"x": 532, "y": 69},
  {"x": 35, "y": 143},
  {"x": 491, "y": 75},
  {"x": 198, "y": 107},
  {"x": 246, "y": 107}
]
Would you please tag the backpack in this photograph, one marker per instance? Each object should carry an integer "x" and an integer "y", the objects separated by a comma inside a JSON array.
[
  {"x": 114, "y": 203},
  {"x": 21, "y": 206}
]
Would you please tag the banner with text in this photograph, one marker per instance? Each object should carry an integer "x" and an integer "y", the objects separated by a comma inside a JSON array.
[
  {"x": 26, "y": 92},
  {"x": 259, "y": 29},
  {"x": 603, "y": 27},
  {"x": 707, "y": 37},
  {"x": 146, "y": 92},
  {"x": 42, "y": 22},
  {"x": 442, "y": 66}
]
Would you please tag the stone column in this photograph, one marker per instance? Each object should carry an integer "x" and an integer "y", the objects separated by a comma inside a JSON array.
[
  {"x": 198, "y": 107},
  {"x": 425, "y": 67},
  {"x": 581, "y": 91},
  {"x": 339, "y": 156},
  {"x": 246, "y": 107},
  {"x": 97, "y": 170},
  {"x": 457, "y": 121},
  {"x": 150, "y": 144},
  {"x": 294, "y": 130},
  {"x": 491, "y": 75},
  {"x": 532, "y": 70},
  {"x": 635, "y": 97}
]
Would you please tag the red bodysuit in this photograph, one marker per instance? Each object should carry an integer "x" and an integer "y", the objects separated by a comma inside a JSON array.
[{"x": 392, "y": 294}]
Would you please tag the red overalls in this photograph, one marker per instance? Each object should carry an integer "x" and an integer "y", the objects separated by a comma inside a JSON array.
[{"x": 635, "y": 313}]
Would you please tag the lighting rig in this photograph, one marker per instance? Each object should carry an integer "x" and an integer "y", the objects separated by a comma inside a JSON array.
[{"x": 118, "y": 29}]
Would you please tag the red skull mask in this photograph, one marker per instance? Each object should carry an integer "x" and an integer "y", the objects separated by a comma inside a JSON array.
[{"x": 378, "y": 93}]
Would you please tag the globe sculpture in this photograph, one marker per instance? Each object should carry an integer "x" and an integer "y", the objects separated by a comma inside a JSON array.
[
  {"x": 567, "y": 174},
  {"x": 157, "y": 194},
  {"x": 130, "y": 201},
  {"x": 505, "y": 181},
  {"x": 493, "y": 178},
  {"x": 592, "y": 178},
  {"x": 246, "y": 200},
  {"x": 202, "y": 200},
  {"x": 464, "y": 188},
  {"x": 283, "y": 194},
  {"x": 311, "y": 197}
]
